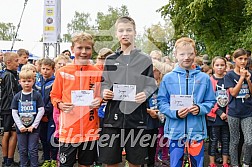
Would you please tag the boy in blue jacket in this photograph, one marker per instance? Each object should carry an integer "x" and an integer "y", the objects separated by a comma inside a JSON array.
[
  {"x": 44, "y": 86},
  {"x": 185, "y": 96}
]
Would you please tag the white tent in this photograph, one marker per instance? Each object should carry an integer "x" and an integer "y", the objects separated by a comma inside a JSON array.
[{"x": 34, "y": 48}]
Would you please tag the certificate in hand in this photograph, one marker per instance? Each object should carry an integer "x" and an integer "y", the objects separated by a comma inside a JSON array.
[
  {"x": 178, "y": 102},
  {"x": 124, "y": 92},
  {"x": 82, "y": 97}
]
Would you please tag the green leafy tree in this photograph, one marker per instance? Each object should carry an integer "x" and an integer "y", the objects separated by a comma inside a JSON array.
[
  {"x": 158, "y": 37},
  {"x": 7, "y": 31},
  {"x": 105, "y": 31},
  {"x": 80, "y": 23},
  {"x": 221, "y": 26}
]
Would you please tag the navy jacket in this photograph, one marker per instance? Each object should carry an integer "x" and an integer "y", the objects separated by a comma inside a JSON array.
[{"x": 44, "y": 87}]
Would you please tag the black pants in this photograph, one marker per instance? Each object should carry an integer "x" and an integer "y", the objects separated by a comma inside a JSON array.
[
  {"x": 152, "y": 145},
  {"x": 219, "y": 133}
]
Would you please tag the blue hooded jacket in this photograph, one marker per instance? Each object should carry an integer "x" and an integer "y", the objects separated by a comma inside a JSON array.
[
  {"x": 44, "y": 87},
  {"x": 199, "y": 85}
]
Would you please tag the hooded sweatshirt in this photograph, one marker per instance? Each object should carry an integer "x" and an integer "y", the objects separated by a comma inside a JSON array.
[{"x": 186, "y": 82}]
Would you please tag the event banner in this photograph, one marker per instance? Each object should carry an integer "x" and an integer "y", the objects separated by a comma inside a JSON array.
[{"x": 52, "y": 21}]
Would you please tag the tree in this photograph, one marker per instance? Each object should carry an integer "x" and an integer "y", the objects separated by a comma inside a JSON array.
[
  {"x": 222, "y": 26},
  {"x": 158, "y": 37},
  {"x": 105, "y": 34},
  {"x": 103, "y": 29},
  {"x": 80, "y": 23},
  {"x": 7, "y": 31}
]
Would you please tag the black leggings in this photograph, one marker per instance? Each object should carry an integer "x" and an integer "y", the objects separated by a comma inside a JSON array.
[{"x": 219, "y": 133}]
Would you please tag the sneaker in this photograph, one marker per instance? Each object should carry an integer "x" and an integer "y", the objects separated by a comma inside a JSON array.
[
  {"x": 46, "y": 163},
  {"x": 126, "y": 164},
  {"x": 53, "y": 163},
  {"x": 186, "y": 163},
  {"x": 166, "y": 162},
  {"x": 157, "y": 164},
  {"x": 212, "y": 165},
  {"x": 3, "y": 164},
  {"x": 219, "y": 160},
  {"x": 13, "y": 164},
  {"x": 225, "y": 165},
  {"x": 97, "y": 164}
]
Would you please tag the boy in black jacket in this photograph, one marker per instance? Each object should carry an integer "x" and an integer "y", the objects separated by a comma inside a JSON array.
[
  {"x": 128, "y": 82},
  {"x": 9, "y": 87}
]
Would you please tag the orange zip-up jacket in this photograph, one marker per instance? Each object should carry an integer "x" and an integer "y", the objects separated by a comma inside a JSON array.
[{"x": 82, "y": 123}]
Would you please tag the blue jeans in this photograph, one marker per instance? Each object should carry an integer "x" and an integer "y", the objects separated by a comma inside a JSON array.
[{"x": 28, "y": 144}]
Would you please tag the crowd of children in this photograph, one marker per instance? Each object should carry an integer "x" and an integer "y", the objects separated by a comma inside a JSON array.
[{"x": 158, "y": 111}]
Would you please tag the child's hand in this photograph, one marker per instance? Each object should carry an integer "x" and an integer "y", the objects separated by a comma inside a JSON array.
[
  {"x": 108, "y": 94},
  {"x": 30, "y": 128},
  {"x": 194, "y": 110},
  {"x": 223, "y": 116},
  {"x": 22, "y": 130},
  {"x": 140, "y": 97},
  {"x": 153, "y": 113},
  {"x": 243, "y": 72},
  {"x": 182, "y": 113},
  {"x": 95, "y": 103},
  {"x": 66, "y": 107},
  {"x": 248, "y": 75}
]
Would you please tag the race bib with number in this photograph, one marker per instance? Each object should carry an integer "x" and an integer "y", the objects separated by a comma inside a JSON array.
[{"x": 27, "y": 111}]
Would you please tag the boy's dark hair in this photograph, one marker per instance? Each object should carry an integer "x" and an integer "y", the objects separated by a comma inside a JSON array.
[
  {"x": 20, "y": 52},
  {"x": 248, "y": 53},
  {"x": 48, "y": 62},
  {"x": 66, "y": 51},
  {"x": 126, "y": 19},
  {"x": 239, "y": 52}
]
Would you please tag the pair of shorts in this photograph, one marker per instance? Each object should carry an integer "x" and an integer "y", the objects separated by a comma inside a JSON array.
[
  {"x": 113, "y": 140},
  {"x": 8, "y": 123},
  {"x": 87, "y": 153}
]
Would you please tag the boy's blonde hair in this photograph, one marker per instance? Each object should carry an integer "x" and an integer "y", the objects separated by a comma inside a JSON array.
[
  {"x": 155, "y": 67},
  {"x": 26, "y": 74},
  {"x": 28, "y": 67},
  {"x": 185, "y": 41},
  {"x": 81, "y": 37},
  {"x": 158, "y": 53},
  {"x": 104, "y": 52},
  {"x": 8, "y": 56},
  {"x": 126, "y": 19},
  {"x": 61, "y": 57},
  {"x": 230, "y": 65}
]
